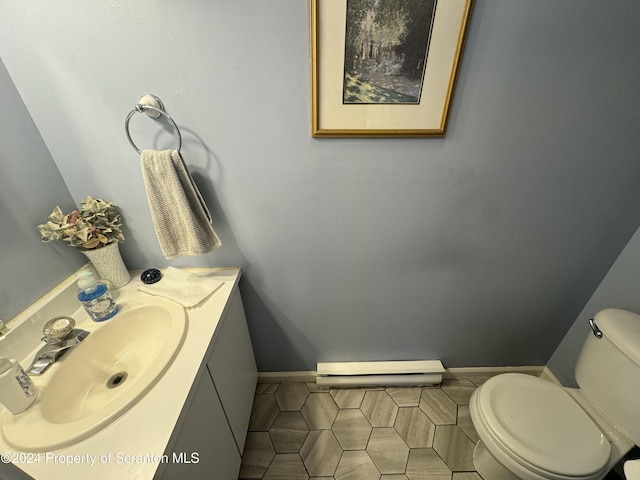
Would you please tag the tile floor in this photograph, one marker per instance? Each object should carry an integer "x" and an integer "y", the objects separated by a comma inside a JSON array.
[{"x": 298, "y": 431}]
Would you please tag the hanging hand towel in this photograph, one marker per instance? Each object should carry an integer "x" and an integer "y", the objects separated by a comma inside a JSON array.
[
  {"x": 186, "y": 288},
  {"x": 180, "y": 216}
]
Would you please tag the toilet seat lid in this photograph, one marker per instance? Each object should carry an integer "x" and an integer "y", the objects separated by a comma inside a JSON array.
[
  {"x": 538, "y": 422},
  {"x": 632, "y": 469}
]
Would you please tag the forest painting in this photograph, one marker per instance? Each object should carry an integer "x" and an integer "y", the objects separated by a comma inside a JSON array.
[
  {"x": 385, "y": 68},
  {"x": 386, "y": 47}
]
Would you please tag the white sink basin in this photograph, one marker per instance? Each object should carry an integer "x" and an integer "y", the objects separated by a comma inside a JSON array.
[{"x": 95, "y": 382}]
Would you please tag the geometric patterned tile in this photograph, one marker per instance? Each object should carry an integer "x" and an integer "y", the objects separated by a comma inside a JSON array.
[
  {"x": 479, "y": 380},
  {"x": 465, "y": 423},
  {"x": 388, "y": 451},
  {"x": 405, "y": 396},
  {"x": 320, "y": 411},
  {"x": 288, "y": 432},
  {"x": 321, "y": 453},
  {"x": 351, "y": 429},
  {"x": 466, "y": 476},
  {"x": 459, "y": 389},
  {"x": 415, "y": 428},
  {"x": 356, "y": 465},
  {"x": 266, "y": 388},
  {"x": 313, "y": 388},
  {"x": 454, "y": 447},
  {"x": 264, "y": 412},
  {"x": 439, "y": 407},
  {"x": 291, "y": 396},
  {"x": 299, "y": 429},
  {"x": 379, "y": 409},
  {"x": 424, "y": 463},
  {"x": 348, "y": 397},
  {"x": 258, "y": 453},
  {"x": 286, "y": 466}
]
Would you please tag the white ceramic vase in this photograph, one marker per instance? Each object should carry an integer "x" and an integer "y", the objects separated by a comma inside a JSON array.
[{"x": 109, "y": 265}]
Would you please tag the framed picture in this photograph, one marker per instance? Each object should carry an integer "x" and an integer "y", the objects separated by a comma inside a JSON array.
[{"x": 384, "y": 68}]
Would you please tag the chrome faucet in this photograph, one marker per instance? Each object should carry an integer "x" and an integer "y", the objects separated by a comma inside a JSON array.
[{"x": 60, "y": 337}]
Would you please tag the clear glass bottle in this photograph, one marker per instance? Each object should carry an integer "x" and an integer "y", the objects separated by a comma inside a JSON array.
[{"x": 95, "y": 297}]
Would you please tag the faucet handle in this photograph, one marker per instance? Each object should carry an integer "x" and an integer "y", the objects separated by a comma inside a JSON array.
[{"x": 58, "y": 328}]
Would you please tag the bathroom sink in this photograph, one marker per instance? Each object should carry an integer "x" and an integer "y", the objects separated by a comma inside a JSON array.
[{"x": 101, "y": 378}]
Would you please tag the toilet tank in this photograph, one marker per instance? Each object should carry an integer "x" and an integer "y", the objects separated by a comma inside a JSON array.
[{"x": 608, "y": 369}]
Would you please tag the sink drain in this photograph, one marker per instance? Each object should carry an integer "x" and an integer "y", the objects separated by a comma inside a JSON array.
[{"x": 116, "y": 380}]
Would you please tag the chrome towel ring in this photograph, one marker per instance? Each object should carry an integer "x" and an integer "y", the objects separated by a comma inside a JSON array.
[{"x": 153, "y": 107}]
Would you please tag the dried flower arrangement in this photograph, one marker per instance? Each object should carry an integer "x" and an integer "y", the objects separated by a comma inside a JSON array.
[{"x": 95, "y": 225}]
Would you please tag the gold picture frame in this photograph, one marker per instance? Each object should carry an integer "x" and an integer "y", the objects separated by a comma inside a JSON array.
[{"x": 346, "y": 102}]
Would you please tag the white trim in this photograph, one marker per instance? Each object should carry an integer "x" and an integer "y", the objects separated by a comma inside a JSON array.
[
  {"x": 309, "y": 376},
  {"x": 479, "y": 372}
]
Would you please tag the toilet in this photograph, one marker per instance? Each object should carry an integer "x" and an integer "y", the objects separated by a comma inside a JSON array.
[
  {"x": 632, "y": 469},
  {"x": 535, "y": 429}
]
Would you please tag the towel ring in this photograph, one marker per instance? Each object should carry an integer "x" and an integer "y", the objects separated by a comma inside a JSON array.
[{"x": 140, "y": 108}]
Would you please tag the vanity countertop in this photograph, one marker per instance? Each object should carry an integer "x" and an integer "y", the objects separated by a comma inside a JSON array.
[{"x": 133, "y": 445}]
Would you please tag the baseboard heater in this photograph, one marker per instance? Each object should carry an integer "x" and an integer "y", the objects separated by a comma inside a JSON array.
[{"x": 394, "y": 373}]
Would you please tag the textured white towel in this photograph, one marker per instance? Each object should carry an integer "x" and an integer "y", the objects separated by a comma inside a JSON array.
[
  {"x": 180, "y": 216},
  {"x": 186, "y": 288}
]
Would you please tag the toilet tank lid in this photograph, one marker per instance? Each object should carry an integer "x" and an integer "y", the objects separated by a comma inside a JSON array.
[{"x": 622, "y": 328}]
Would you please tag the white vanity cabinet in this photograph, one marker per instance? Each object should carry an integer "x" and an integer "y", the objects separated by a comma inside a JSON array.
[
  {"x": 203, "y": 446},
  {"x": 233, "y": 369},
  {"x": 192, "y": 422},
  {"x": 209, "y": 437}
]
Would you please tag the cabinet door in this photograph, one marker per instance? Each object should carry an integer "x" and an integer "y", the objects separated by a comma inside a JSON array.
[
  {"x": 8, "y": 471},
  {"x": 204, "y": 446},
  {"x": 233, "y": 369}
]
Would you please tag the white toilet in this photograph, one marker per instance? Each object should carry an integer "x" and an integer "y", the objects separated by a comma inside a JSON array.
[
  {"x": 632, "y": 469},
  {"x": 533, "y": 429}
]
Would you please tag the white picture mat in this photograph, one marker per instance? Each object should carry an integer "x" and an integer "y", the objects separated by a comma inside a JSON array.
[{"x": 429, "y": 114}]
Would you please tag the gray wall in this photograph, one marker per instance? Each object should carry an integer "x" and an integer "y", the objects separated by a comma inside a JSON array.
[
  {"x": 30, "y": 186},
  {"x": 481, "y": 248},
  {"x": 618, "y": 289}
]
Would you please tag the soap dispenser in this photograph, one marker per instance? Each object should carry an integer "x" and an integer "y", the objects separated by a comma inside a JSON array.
[
  {"x": 17, "y": 391},
  {"x": 95, "y": 297}
]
